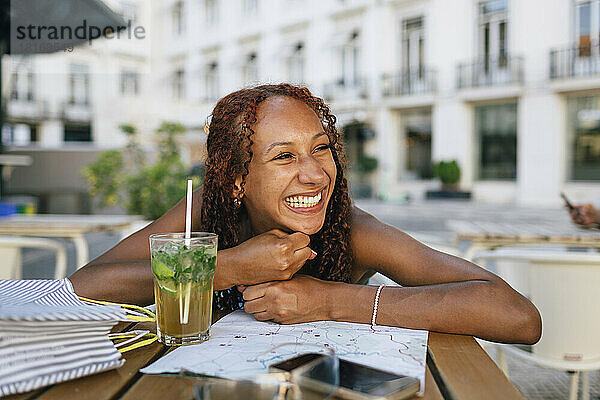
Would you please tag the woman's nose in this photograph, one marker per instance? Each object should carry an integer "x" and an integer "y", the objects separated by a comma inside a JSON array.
[{"x": 310, "y": 171}]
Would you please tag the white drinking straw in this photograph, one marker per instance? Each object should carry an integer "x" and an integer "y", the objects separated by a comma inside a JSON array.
[
  {"x": 184, "y": 304},
  {"x": 188, "y": 213}
]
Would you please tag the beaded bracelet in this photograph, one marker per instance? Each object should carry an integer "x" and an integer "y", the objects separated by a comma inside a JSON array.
[{"x": 376, "y": 305}]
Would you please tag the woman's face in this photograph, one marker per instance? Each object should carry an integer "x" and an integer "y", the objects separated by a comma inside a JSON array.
[{"x": 292, "y": 172}]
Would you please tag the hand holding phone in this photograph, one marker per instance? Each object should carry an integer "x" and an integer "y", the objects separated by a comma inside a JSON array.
[{"x": 569, "y": 205}]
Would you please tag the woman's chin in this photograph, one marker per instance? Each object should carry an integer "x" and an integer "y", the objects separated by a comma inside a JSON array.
[{"x": 307, "y": 229}]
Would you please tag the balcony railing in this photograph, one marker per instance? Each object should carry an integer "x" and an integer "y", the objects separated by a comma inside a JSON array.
[
  {"x": 575, "y": 61},
  {"x": 497, "y": 71},
  {"x": 77, "y": 112},
  {"x": 348, "y": 90},
  {"x": 34, "y": 110},
  {"x": 409, "y": 82}
]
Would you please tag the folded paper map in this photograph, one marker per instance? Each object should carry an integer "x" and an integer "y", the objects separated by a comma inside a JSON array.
[{"x": 238, "y": 341}]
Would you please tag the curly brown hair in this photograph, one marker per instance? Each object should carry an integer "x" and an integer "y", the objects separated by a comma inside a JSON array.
[{"x": 229, "y": 146}]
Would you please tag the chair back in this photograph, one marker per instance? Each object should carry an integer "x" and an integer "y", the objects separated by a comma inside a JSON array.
[{"x": 565, "y": 287}]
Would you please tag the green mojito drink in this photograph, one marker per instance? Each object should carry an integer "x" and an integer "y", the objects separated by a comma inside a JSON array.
[{"x": 183, "y": 272}]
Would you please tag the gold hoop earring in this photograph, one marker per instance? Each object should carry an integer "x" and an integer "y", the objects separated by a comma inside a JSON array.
[{"x": 237, "y": 202}]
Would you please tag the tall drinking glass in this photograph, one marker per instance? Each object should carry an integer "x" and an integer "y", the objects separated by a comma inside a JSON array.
[{"x": 183, "y": 272}]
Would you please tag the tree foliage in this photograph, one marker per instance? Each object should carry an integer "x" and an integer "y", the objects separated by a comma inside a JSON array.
[{"x": 147, "y": 188}]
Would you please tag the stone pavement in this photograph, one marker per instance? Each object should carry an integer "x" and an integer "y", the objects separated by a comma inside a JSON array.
[{"x": 425, "y": 219}]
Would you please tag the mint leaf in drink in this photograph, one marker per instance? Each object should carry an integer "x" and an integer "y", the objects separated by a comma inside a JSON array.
[{"x": 184, "y": 265}]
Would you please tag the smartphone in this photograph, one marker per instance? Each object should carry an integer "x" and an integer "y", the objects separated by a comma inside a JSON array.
[
  {"x": 359, "y": 382},
  {"x": 567, "y": 202}
]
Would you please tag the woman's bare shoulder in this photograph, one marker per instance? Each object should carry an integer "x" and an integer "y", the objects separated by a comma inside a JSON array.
[{"x": 365, "y": 223}]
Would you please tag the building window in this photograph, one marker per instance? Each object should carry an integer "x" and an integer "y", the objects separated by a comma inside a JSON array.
[
  {"x": 250, "y": 7},
  {"x": 295, "y": 63},
  {"x": 416, "y": 146},
  {"x": 79, "y": 82},
  {"x": 250, "y": 69},
  {"x": 22, "y": 80},
  {"x": 130, "y": 82},
  {"x": 7, "y": 134},
  {"x": 584, "y": 138},
  {"x": 77, "y": 133},
  {"x": 413, "y": 51},
  {"x": 587, "y": 27},
  {"x": 496, "y": 130},
  {"x": 177, "y": 19},
  {"x": 493, "y": 41},
  {"x": 350, "y": 61},
  {"x": 19, "y": 134},
  {"x": 177, "y": 84},
  {"x": 211, "y": 11},
  {"x": 211, "y": 81}
]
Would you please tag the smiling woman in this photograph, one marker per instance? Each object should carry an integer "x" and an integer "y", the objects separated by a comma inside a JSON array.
[{"x": 293, "y": 248}]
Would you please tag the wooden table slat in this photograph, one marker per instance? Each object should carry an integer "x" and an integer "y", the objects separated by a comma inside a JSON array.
[
  {"x": 432, "y": 392},
  {"x": 25, "y": 396},
  {"x": 467, "y": 371},
  {"x": 162, "y": 387}
]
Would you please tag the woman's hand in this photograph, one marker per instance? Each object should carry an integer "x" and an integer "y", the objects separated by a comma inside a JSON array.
[
  {"x": 300, "y": 299},
  {"x": 271, "y": 256},
  {"x": 586, "y": 215}
]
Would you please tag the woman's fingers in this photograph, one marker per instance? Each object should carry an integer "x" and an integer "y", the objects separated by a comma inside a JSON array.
[
  {"x": 263, "y": 316},
  {"x": 300, "y": 257},
  {"x": 255, "y": 306},
  {"x": 255, "y": 291},
  {"x": 299, "y": 240}
]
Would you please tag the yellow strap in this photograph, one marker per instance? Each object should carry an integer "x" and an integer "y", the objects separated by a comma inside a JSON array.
[
  {"x": 150, "y": 318},
  {"x": 153, "y": 338}
]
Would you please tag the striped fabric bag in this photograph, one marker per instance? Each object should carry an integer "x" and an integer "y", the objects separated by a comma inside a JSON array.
[{"x": 48, "y": 335}]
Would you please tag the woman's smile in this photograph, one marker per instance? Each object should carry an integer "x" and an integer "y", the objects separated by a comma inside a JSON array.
[{"x": 306, "y": 203}]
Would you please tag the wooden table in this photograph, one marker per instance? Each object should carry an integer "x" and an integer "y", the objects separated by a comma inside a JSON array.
[
  {"x": 490, "y": 234},
  {"x": 457, "y": 368},
  {"x": 70, "y": 226}
]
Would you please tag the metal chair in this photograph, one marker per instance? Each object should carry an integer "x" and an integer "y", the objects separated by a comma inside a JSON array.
[
  {"x": 10, "y": 255},
  {"x": 564, "y": 287}
]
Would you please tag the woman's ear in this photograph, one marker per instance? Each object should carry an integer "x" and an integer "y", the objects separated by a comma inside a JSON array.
[{"x": 237, "y": 188}]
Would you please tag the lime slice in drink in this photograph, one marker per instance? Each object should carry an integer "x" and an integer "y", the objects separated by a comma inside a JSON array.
[
  {"x": 168, "y": 286},
  {"x": 161, "y": 270}
]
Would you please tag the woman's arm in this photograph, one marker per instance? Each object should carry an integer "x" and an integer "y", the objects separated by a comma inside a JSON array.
[{"x": 440, "y": 292}]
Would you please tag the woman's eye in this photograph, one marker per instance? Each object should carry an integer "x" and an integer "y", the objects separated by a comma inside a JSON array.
[
  {"x": 283, "y": 156},
  {"x": 323, "y": 147}
]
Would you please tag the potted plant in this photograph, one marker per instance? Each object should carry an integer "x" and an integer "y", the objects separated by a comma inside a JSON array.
[{"x": 448, "y": 173}]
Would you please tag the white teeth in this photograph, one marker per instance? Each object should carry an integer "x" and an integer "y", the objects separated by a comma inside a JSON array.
[{"x": 304, "y": 201}]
